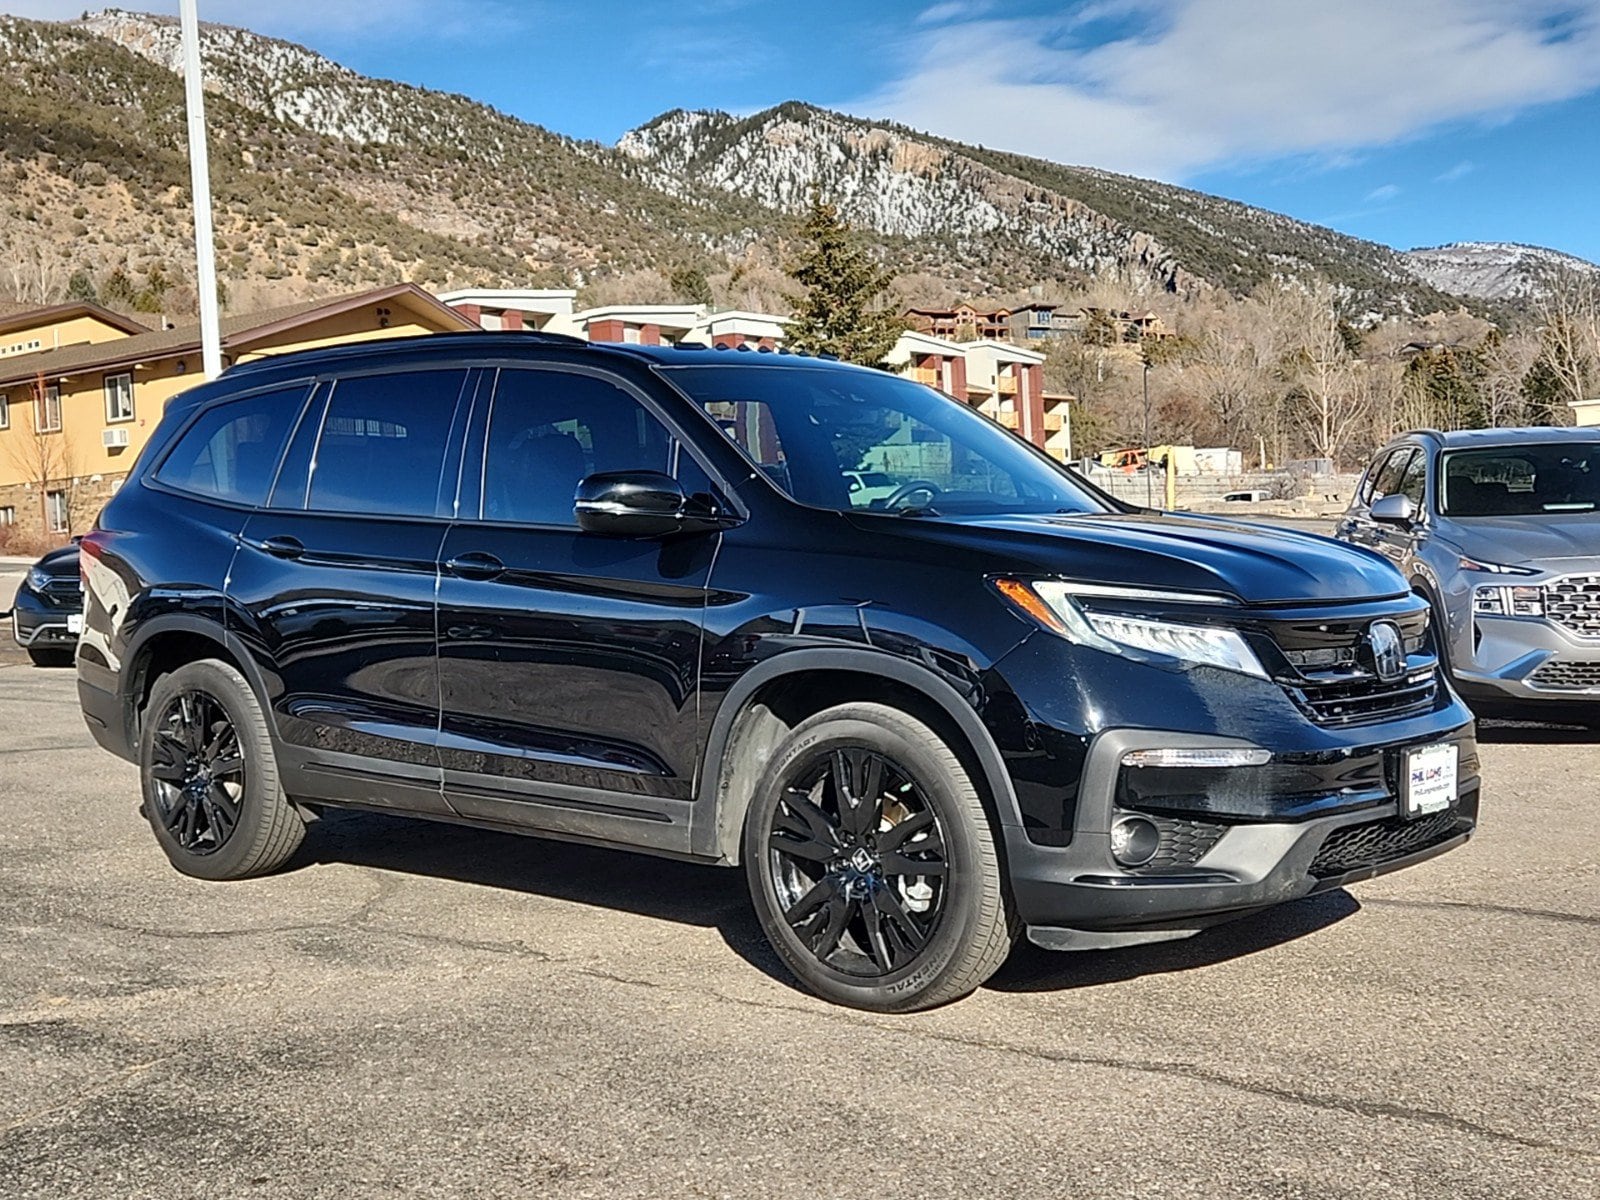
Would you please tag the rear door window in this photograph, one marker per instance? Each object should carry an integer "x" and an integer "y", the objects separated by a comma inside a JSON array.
[
  {"x": 231, "y": 451},
  {"x": 383, "y": 442}
]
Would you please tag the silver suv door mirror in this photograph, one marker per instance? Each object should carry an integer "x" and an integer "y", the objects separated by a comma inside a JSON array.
[{"x": 1394, "y": 510}]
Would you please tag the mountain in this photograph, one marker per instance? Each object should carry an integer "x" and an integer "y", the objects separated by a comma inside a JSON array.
[
  {"x": 1007, "y": 206},
  {"x": 1493, "y": 270},
  {"x": 326, "y": 179}
]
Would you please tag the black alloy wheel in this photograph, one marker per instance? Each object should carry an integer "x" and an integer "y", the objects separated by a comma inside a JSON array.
[
  {"x": 210, "y": 775},
  {"x": 872, "y": 862},
  {"x": 199, "y": 772},
  {"x": 858, "y": 860}
]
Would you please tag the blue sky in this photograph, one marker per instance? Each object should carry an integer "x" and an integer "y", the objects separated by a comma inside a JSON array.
[{"x": 1411, "y": 122}]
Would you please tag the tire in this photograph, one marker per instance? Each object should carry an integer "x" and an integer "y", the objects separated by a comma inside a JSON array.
[
  {"x": 835, "y": 884},
  {"x": 209, "y": 776},
  {"x": 51, "y": 658}
]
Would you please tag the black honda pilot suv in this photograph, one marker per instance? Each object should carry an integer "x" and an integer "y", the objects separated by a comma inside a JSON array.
[{"x": 626, "y": 595}]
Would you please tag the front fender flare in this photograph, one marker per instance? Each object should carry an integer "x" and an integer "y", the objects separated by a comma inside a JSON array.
[{"x": 717, "y": 835}]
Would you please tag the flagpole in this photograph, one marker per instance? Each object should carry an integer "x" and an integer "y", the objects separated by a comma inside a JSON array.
[{"x": 200, "y": 182}]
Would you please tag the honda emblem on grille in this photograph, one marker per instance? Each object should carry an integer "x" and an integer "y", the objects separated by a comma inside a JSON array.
[{"x": 1388, "y": 650}]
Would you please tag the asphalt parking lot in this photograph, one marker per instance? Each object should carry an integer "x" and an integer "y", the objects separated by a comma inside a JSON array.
[{"x": 430, "y": 1010}]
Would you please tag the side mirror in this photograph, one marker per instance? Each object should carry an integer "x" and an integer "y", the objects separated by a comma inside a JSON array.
[
  {"x": 640, "y": 504},
  {"x": 1394, "y": 510}
]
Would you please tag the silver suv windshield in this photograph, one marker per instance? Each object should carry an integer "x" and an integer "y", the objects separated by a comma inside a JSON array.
[
  {"x": 1521, "y": 480},
  {"x": 907, "y": 449}
]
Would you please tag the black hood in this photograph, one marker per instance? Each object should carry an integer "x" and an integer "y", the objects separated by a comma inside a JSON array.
[
  {"x": 60, "y": 562},
  {"x": 1258, "y": 564}
]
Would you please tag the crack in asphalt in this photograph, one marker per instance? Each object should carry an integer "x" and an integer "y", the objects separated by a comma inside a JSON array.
[
  {"x": 41, "y": 749},
  {"x": 117, "y": 1079},
  {"x": 1510, "y": 910},
  {"x": 387, "y": 886},
  {"x": 1182, "y": 1070}
]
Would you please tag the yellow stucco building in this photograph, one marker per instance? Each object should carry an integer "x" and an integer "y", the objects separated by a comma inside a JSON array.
[{"x": 82, "y": 388}]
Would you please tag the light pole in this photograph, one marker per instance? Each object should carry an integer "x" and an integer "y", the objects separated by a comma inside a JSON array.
[
  {"x": 200, "y": 183},
  {"x": 1148, "y": 462}
]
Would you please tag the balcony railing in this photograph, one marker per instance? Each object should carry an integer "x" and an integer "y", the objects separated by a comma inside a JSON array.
[
  {"x": 927, "y": 375},
  {"x": 1006, "y": 385}
]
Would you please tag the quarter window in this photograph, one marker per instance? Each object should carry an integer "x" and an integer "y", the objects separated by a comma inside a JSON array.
[
  {"x": 119, "y": 397},
  {"x": 383, "y": 442},
  {"x": 231, "y": 451}
]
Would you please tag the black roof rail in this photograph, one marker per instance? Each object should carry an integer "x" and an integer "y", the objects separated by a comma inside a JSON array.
[
  {"x": 1433, "y": 433},
  {"x": 346, "y": 350}
]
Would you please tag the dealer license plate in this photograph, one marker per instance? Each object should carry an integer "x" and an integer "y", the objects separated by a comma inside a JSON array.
[
  {"x": 75, "y": 624},
  {"x": 1428, "y": 783}
]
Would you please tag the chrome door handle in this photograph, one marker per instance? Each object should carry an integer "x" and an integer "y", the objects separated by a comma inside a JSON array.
[{"x": 475, "y": 565}]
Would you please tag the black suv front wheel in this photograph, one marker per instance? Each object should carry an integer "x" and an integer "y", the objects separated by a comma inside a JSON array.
[
  {"x": 210, "y": 781},
  {"x": 872, "y": 864}
]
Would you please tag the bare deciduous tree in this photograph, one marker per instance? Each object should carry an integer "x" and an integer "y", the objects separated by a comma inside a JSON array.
[{"x": 43, "y": 455}]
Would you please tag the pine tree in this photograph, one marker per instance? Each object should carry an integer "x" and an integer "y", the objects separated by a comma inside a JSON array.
[{"x": 841, "y": 311}]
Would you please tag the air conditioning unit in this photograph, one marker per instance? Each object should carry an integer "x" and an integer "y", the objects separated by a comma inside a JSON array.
[{"x": 114, "y": 439}]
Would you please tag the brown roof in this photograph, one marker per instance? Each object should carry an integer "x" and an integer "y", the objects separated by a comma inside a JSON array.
[
  {"x": 238, "y": 333},
  {"x": 15, "y": 315}
]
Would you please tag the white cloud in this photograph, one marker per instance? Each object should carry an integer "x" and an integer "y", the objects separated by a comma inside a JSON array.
[
  {"x": 1200, "y": 83},
  {"x": 1382, "y": 192},
  {"x": 1460, "y": 171}
]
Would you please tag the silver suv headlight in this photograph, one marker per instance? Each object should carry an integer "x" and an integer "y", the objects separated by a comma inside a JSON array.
[{"x": 1055, "y": 605}]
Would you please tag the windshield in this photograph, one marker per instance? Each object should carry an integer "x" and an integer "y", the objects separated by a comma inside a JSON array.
[
  {"x": 868, "y": 441},
  {"x": 1517, "y": 481}
]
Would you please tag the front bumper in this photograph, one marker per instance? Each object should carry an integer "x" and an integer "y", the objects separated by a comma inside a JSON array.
[
  {"x": 1528, "y": 660},
  {"x": 1078, "y": 897},
  {"x": 38, "y": 624}
]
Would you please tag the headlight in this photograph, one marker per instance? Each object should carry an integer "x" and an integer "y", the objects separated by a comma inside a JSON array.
[
  {"x": 1475, "y": 564},
  {"x": 1055, "y": 606},
  {"x": 37, "y": 579},
  {"x": 1497, "y": 601}
]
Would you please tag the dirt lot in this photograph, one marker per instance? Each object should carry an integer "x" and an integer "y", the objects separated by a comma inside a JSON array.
[{"x": 429, "y": 1010}]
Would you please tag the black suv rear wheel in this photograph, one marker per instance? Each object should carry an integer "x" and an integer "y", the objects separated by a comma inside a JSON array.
[
  {"x": 210, "y": 781},
  {"x": 872, "y": 865}
]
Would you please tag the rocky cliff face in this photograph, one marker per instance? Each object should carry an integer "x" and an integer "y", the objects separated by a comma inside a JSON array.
[{"x": 1493, "y": 270}]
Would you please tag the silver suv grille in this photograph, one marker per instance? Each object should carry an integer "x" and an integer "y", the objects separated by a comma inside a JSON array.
[
  {"x": 1574, "y": 603},
  {"x": 1560, "y": 676}
]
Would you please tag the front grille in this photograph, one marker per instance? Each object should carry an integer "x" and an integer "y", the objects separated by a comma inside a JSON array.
[
  {"x": 1559, "y": 676},
  {"x": 1183, "y": 843},
  {"x": 1356, "y": 847},
  {"x": 1350, "y": 698},
  {"x": 63, "y": 591},
  {"x": 1574, "y": 604}
]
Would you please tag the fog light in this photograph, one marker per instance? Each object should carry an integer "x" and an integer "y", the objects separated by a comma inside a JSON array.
[
  {"x": 1216, "y": 756},
  {"x": 1134, "y": 841}
]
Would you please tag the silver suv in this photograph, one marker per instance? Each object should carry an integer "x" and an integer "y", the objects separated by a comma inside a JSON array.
[{"x": 1499, "y": 530}]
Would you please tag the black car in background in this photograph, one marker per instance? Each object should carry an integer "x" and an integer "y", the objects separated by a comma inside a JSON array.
[
  {"x": 625, "y": 595},
  {"x": 47, "y": 615}
]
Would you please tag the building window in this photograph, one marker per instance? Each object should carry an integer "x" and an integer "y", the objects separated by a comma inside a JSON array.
[
  {"x": 8, "y": 514},
  {"x": 56, "y": 510},
  {"x": 119, "y": 397},
  {"x": 47, "y": 411},
  {"x": 5, "y": 411}
]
